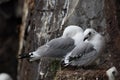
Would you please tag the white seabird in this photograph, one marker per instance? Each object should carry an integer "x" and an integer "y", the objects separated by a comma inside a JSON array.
[
  {"x": 5, "y": 76},
  {"x": 112, "y": 73},
  {"x": 87, "y": 52},
  {"x": 57, "y": 47}
]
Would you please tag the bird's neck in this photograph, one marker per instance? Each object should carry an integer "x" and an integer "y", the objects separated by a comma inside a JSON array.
[
  {"x": 78, "y": 38},
  {"x": 97, "y": 41}
]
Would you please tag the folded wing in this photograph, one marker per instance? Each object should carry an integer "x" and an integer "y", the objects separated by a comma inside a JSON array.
[
  {"x": 83, "y": 55},
  {"x": 58, "y": 47}
]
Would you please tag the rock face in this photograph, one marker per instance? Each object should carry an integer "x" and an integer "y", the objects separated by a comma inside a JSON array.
[
  {"x": 87, "y": 13},
  {"x": 44, "y": 24},
  {"x": 46, "y": 20},
  {"x": 113, "y": 28}
]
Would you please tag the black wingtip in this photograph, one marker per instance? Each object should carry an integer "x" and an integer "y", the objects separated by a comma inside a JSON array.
[
  {"x": 63, "y": 65},
  {"x": 23, "y": 55}
]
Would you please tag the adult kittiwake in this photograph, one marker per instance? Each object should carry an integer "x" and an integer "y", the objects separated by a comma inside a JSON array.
[
  {"x": 87, "y": 52},
  {"x": 58, "y": 47}
]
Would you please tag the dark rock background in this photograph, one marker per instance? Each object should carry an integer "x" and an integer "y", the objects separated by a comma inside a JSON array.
[{"x": 10, "y": 21}]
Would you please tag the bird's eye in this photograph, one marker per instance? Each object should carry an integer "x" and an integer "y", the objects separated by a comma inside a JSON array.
[{"x": 89, "y": 33}]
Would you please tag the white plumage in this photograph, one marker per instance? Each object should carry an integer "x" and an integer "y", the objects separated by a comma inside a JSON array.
[
  {"x": 79, "y": 40},
  {"x": 87, "y": 52},
  {"x": 58, "y": 47}
]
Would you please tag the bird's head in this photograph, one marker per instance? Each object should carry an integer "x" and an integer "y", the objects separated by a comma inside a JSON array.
[
  {"x": 89, "y": 33},
  {"x": 71, "y": 30}
]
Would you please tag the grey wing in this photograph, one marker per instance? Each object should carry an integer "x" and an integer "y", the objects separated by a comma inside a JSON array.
[
  {"x": 83, "y": 55},
  {"x": 81, "y": 49},
  {"x": 61, "y": 43},
  {"x": 58, "y": 47}
]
